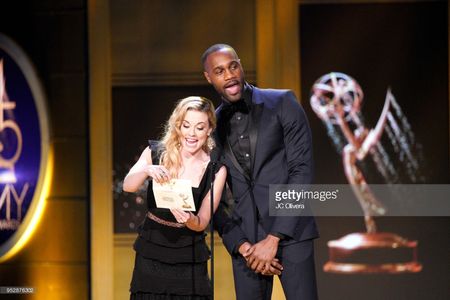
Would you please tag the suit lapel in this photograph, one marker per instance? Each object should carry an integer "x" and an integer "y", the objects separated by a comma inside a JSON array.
[
  {"x": 255, "y": 119},
  {"x": 222, "y": 131}
]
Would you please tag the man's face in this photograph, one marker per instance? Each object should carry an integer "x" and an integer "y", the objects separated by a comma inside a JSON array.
[{"x": 224, "y": 71}]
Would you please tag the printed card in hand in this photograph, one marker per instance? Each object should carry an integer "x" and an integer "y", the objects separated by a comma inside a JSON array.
[{"x": 177, "y": 193}]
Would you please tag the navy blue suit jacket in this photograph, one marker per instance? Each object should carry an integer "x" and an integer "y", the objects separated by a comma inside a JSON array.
[{"x": 281, "y": 146}]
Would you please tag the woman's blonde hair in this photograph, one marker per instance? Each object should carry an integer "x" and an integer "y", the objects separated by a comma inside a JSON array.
[{"x": 171, "y": 141}]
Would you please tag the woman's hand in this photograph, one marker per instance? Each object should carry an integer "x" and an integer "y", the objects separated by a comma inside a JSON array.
[
  {"x": 158, "y": 173},
  {"x": 181, "y": 215},
  {"x": 186, "y": 217}
]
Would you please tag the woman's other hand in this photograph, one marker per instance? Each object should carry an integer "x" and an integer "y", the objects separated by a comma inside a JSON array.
[{"x": 158, "y": 173}]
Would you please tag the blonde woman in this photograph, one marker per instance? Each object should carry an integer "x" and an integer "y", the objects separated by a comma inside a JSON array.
[{"x": 171, "y": 252}]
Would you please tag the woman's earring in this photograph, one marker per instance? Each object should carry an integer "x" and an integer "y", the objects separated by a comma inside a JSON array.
[{"x": 210, "y": 143}]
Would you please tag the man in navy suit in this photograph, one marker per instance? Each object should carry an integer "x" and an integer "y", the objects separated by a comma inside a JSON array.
[{"x": 265, "y": 139}]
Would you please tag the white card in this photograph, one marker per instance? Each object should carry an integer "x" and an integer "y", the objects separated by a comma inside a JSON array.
[{"x": 177, "y": 193}]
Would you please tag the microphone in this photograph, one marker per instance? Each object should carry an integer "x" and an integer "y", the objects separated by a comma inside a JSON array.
[{"x": 214, "y": 158}]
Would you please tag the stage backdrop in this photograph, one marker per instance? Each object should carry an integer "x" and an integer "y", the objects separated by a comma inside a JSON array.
[{"x": 402, "y": 46}]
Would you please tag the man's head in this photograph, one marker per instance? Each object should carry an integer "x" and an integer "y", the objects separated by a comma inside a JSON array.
[{"x": 222, "y": 68}]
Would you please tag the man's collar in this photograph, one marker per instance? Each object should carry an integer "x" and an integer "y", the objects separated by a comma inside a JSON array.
[{"x": 247, "y": 94}]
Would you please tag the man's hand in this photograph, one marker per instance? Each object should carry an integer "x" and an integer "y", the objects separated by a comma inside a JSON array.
[
  {"x": 260, "y": 257},
  {"x": 244, "y": 248},
  {"x": 274, "y": 268}
]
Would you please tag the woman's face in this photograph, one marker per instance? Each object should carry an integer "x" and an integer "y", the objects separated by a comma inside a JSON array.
[{"x": 194, "y": 131}]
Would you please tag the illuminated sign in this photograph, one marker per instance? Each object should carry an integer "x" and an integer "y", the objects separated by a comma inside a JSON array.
[{"x": 25, "y": 153}]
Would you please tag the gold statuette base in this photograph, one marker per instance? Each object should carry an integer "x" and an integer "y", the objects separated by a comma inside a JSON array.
[{"x": 381, "y": 252}]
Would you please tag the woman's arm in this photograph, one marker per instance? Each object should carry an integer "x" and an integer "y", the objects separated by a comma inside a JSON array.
[
  {"x": 204, "y": 214},
  {"x": 200, "y": 221},
  {"x": 143, "y": 169}
]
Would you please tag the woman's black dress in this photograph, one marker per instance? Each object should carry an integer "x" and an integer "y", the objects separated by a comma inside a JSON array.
[{"x": 171, "y": 263}]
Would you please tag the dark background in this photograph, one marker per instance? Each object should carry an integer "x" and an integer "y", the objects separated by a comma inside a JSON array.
[{"x": 402, "y": 46}]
